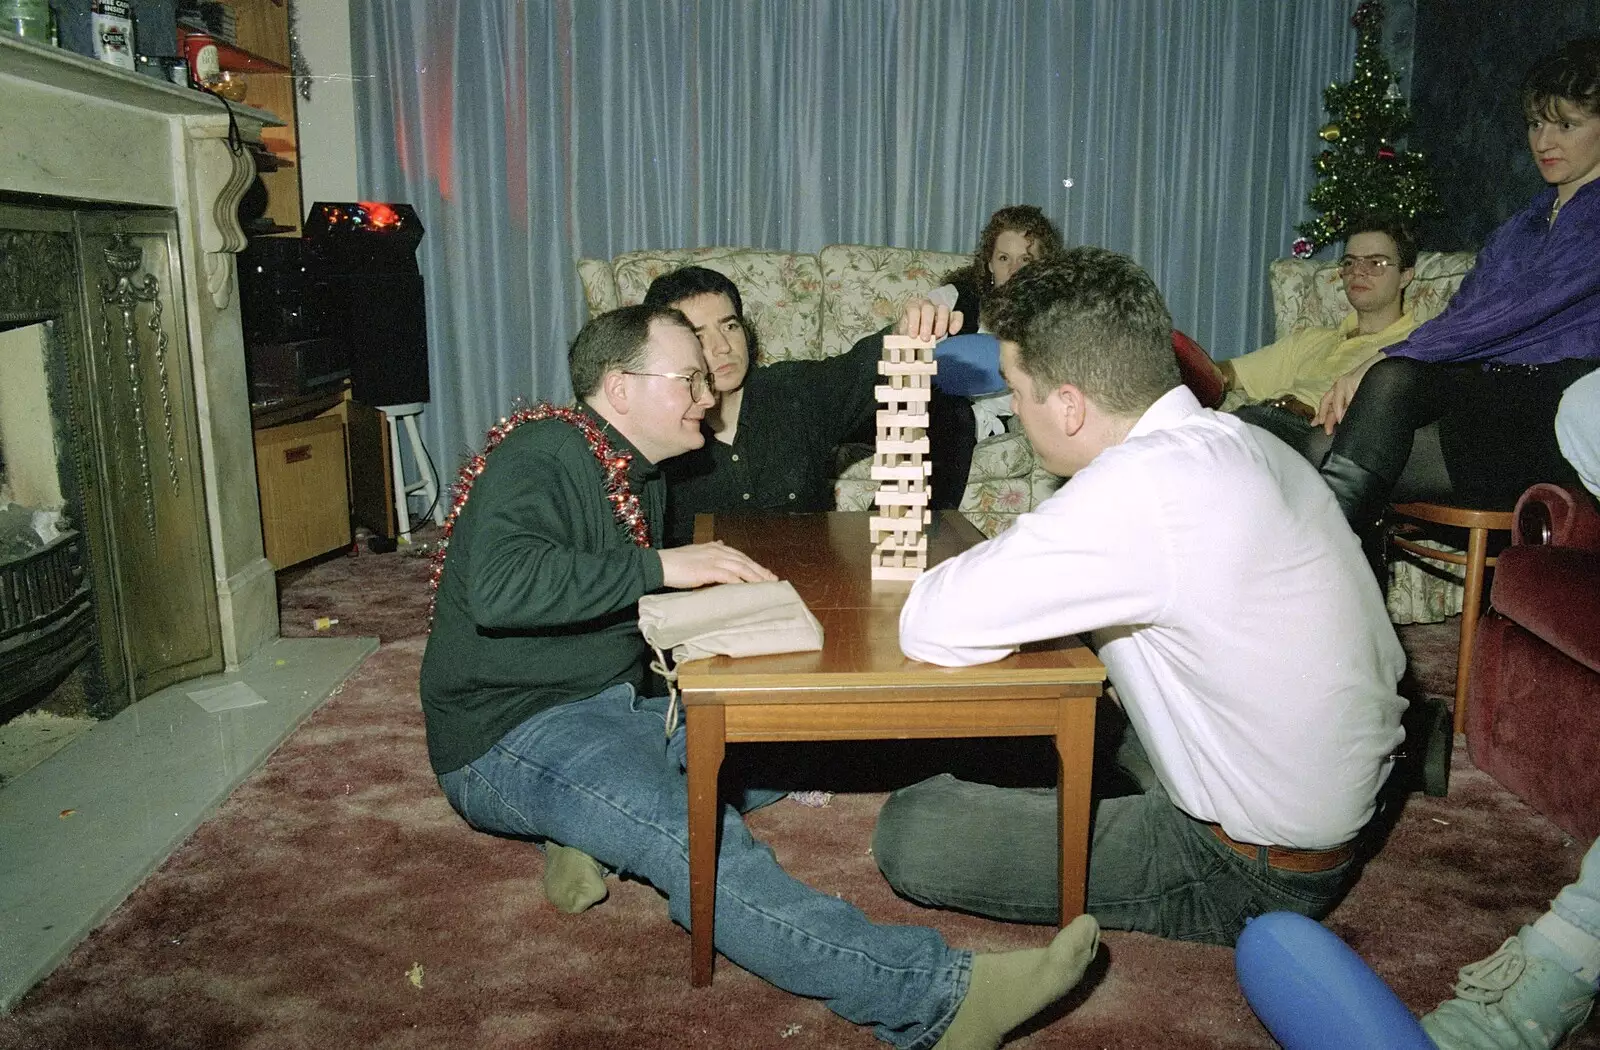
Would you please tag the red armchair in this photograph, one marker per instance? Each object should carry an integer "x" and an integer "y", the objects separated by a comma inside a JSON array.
[{"x": 1533, "y": 711}]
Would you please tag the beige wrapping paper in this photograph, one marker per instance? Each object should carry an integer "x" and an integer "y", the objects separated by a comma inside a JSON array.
[{"x": 730, "y": 619}]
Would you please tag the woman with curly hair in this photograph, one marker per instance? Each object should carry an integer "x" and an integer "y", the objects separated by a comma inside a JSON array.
[{"x": 1013, "y": 237}]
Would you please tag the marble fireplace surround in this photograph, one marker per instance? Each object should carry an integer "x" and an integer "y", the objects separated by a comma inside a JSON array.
[{"x": 74, "y": 129}]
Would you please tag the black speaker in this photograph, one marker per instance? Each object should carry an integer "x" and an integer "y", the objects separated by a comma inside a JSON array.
[
  {"x": 361, "y": 259},
  {"x": 272, "y": 292},
  {"x": 383, "y": 323}
]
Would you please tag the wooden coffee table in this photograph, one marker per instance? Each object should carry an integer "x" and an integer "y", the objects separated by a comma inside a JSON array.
[{"x": 860, "y": 687}]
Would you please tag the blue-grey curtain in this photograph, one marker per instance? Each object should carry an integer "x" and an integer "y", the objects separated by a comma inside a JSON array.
[{"x": 531, "y": 133}]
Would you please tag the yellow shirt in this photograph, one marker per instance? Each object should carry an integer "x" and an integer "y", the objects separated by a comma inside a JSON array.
[{"x": 1307, "y": 363}]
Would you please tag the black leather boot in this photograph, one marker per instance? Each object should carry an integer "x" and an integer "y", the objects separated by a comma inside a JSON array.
[{"x": 1361, "y": 492}]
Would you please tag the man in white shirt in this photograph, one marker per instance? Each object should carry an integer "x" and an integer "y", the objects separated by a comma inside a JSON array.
[{"x": 1214, "y": 574}]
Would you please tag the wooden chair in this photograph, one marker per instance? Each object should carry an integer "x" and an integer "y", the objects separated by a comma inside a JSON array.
[{"x": 1478, "y": 523}]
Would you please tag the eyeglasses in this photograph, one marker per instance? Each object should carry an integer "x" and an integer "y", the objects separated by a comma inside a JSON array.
[
  {"x": 1365, "y": 265},
  {"x": 699, "y": 382}
]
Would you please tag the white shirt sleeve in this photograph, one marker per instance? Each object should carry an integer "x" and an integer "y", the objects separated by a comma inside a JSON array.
[{"x": 1086, "y": 558}]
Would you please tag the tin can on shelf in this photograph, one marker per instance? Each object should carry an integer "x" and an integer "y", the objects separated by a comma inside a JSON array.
[
  {"x": 205, "y": 64},
  {"x": 111, "y": 26}
]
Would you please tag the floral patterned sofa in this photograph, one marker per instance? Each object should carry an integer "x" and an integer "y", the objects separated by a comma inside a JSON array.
[
  {"x": 1307, "y": 293},
  {"x": 813, "y": 306}
]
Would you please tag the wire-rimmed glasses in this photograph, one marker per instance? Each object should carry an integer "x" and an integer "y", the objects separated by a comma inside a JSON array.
[
  {"x": 1365, "y": 265},
  {"x": 699, "y": 382}
]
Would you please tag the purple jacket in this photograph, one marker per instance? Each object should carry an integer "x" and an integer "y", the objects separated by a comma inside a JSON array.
[{"x": 1532, "y": 298}]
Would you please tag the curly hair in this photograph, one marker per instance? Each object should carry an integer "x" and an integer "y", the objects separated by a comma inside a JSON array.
[
  {"x": 1092, "y": 318},
  {"x": 1026, "y": 219},
  {"x": 1570, "y": 73}
]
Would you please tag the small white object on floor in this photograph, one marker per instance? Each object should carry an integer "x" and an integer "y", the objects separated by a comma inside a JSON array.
[
  {"x": 814, "y": 799},
  {"x": 227, "y": 697}
]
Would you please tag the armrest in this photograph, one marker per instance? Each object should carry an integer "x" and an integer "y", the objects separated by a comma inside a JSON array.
[
  {"x": 1197, "y": 370},
  {"x": 1554, "y": 594},
  {"x": 1556, "y": 515}
]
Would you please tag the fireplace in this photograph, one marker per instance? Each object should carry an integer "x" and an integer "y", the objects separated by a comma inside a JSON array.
[
  {"x": 117, "y": 239},
  {"x": 46, "y": 617}
]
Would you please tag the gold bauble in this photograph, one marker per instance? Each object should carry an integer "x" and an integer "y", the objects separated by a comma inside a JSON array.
[
  {"x": 230, "y": 85},
  {"x": 1329, "y": 133}
]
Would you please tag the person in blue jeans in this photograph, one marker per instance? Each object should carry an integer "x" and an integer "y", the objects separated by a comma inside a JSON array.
[
  {"x": 1210, "y": 569},
  {"x": 1540, "y": 984},
  {"x": 542, "y": 725},
  {"x": 1536, "y": 988}
]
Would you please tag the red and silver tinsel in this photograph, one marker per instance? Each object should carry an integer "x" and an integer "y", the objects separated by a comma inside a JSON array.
[{"x": 613, "y": 467}]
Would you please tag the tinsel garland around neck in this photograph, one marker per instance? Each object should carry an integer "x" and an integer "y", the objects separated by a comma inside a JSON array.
[{"x": 613, "y": 468}]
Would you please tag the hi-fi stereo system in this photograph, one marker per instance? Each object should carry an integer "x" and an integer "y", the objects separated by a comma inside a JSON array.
[{"x": 342, "y": 301}]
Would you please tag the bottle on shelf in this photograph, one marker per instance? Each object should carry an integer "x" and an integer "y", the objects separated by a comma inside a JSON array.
[{"x": 29, "y": 19}]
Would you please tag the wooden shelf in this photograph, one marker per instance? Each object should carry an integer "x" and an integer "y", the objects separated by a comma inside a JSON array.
[
  {"x": 232, "y": 57},
  {"x": 267, "y": 160}
]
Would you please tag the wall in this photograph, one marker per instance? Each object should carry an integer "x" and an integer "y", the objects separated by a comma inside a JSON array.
[
  {"x": 327, "y": 121},
  {"x": 1471, "y": 56}
]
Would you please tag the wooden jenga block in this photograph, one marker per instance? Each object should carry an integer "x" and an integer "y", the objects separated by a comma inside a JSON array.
[{"x": 900, "y": 463}]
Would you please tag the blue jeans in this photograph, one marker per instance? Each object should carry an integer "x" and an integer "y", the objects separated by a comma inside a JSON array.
[
  {"x": 602, "y": 776},
  {"x": 1579, "y": 902},
  {"x": 1152, "y": 868}
]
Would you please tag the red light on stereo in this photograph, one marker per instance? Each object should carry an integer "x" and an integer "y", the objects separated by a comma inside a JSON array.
[{"x": 380, "y": 215}]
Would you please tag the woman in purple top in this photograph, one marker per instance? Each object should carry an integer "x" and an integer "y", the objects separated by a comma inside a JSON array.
[{"x": 1524, "y": 325}]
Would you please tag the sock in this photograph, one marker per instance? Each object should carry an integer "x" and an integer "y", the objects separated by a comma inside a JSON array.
[
  {"x": 1007, "y": 988},
  {"x": 573, "y": 880},
  {"x": 1554, "y": 938}
]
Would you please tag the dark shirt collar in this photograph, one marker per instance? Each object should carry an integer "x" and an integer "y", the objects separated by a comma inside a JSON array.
[{"x": 640, "y": 469}]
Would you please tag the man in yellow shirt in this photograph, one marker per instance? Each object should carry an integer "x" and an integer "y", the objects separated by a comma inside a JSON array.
[{"x": 1283, "y": 383}]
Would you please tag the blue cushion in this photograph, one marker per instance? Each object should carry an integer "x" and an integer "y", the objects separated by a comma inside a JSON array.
[{"x": 969, "y": 365}]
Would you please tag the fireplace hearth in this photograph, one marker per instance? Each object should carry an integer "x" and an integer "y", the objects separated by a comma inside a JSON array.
[
  {"x": 98, "y": 424},
  {"x": 118, "y": 229}
]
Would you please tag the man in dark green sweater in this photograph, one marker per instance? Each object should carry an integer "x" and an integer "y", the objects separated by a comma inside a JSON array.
[{"x": 540, "y": 725}]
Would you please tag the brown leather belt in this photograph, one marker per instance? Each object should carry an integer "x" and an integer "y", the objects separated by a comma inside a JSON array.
[
  {"x": 1304, "y": 861},
  {"x": 1290, "y": 403}
]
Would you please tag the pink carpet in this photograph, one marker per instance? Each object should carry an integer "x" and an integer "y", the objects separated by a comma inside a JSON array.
[{"x": 335, "y": 901}]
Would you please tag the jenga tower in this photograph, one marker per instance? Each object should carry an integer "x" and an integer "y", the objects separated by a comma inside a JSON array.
[{"x": 901, "y": 465}]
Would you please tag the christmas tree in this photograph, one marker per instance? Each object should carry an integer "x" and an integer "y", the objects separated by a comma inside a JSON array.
[{"x": 1363, "y": 173}]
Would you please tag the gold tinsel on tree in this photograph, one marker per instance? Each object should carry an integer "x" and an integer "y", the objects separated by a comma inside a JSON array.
[{"x": 1362, "y": 172}]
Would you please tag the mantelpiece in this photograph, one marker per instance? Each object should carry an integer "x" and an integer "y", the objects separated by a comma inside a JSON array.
[{"x": 76, "y": 130}]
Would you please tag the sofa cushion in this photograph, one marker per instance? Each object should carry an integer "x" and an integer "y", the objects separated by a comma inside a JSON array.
[
  {"x": 1307, "y": 293},
  {"x": 864, "y": 288},
  {"x": 1553, "y": 593},
  {"x": 599, "y": 286},
  {"x": 779, "y": 291}
]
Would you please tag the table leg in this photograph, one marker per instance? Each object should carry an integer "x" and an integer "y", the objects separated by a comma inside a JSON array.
[
  {"x": 1075, "y": 765},
  {"x": 705, "y": 728}
]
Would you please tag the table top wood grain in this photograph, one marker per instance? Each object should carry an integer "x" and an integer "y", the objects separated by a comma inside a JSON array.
[{"x": 826, "y": 557}]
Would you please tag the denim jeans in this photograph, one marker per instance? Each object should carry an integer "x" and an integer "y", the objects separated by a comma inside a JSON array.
[
  {"x": 1579, "y": 902},
  {"x": 602, "y": 776},
  {"x": 1152, "y": 868}
]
